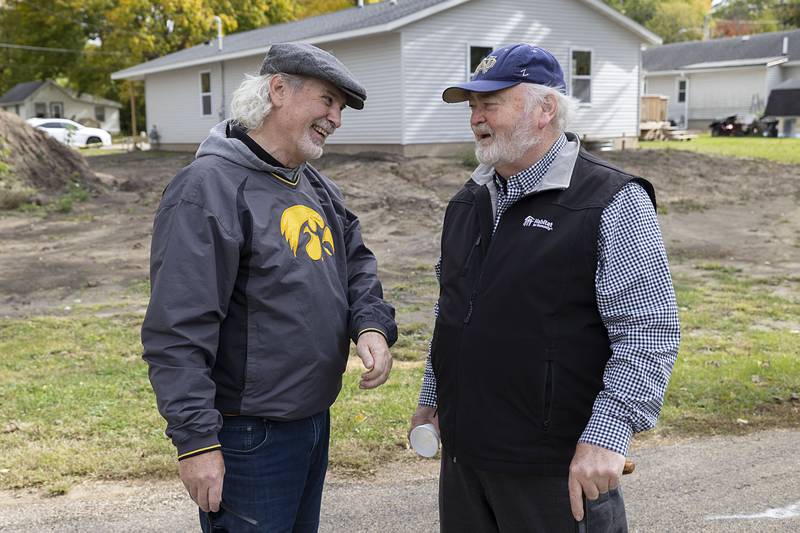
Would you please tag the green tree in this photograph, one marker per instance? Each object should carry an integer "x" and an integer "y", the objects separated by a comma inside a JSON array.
[
  {"x": 672, "y": 20},
  {"x": 41, "y": 23},
  {"x": 103, "y": 36},
  {"x": 310, "y": 8},
  {"x": 680, "y": 20},
  {"x": 642, "y": 11},
  {"x": 740, "y": 17}
]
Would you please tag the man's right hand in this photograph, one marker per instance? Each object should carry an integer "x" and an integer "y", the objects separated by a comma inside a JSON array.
[
  {"x": 424, "y": 415},
  {"x": 202, "y": 476}
]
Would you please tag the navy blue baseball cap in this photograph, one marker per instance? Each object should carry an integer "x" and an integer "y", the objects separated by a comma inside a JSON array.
[{"x": 509, "y": 66}]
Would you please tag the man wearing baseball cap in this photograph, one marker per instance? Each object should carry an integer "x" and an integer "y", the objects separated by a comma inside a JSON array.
[
  {"x": 556, "y": 327},
  {"x": 260, "y": 279}
]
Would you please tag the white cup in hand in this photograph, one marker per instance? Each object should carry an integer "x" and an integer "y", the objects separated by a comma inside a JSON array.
[{"x": 425, "y": 440}]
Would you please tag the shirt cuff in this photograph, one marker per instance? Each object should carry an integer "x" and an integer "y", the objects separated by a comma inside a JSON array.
[
  {"x": 427, "y": 401},
  {"x": 607, "y": 432}
]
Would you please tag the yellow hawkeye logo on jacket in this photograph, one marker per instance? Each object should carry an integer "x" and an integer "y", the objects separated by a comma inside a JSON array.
[{"x": 300, "y": 219}]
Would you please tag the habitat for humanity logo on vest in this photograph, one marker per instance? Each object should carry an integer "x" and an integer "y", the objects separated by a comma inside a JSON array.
[
  {"x": 299, "y": 220},
  {"x": 531, "y": 222}
]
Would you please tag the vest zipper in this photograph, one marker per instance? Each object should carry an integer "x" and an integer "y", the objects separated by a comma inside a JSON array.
[
  {"x": 465, "y": 268},
  {"x": 469, "y": 309},
  {"x": 480, "y": 275},
  {"x": 548, "y": 394}
]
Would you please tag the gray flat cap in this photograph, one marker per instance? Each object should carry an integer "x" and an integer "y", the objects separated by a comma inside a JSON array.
[{"x": 308, "y": 60}]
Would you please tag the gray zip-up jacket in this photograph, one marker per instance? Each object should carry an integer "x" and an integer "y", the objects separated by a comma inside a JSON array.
[{"x": 257, "y": 286}]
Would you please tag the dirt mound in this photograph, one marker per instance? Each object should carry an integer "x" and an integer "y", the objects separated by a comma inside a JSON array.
[
  {"x": 30, "y": 159},
  {"x": 687, "y": 181}
]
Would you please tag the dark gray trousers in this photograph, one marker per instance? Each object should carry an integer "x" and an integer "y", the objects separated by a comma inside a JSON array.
[{"x": 482, "y": 502}]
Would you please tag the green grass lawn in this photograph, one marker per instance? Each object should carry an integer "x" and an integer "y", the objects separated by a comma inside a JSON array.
[
  {"x": 94, "y": 152},
  {"x": 75, "y": 401},
  {"x": 780, "y": 150}
]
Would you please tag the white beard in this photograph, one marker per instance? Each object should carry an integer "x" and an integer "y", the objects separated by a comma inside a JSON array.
[
  {"x": 308, "y": 147},
  {"x": 507, "y": 148}
]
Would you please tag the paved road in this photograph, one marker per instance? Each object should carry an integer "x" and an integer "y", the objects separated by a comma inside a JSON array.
[{"x": 721, "y": 484}]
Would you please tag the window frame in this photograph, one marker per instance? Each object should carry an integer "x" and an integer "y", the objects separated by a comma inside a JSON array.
[
  {"x": 52, "y": 106},
  {"x": 37, "y": 106},
  {"x": 101, "y": 116},
  {"x": 468, "y": 62},
  {"x": 209, "y": 94},
  {"x": 589, "y": 77},
  {"x": 685, "y": 82}
]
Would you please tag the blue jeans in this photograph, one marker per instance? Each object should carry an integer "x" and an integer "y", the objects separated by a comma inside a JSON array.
[{"x": 274, "y": 473}]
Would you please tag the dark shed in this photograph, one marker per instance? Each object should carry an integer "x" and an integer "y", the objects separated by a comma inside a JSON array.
[{"x": 784, "y": 100}]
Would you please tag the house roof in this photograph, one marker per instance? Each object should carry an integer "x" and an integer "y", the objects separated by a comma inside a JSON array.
[
  {"x": 22, "y": 91},
  {"x": 347, "y": 23},
  {"x": 19, "y": 92},
  {"x": 730, "y": 52}
]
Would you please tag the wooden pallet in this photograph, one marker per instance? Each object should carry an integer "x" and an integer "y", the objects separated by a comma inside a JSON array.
[
  {"x": 653, "y": 130},
  {"x": 680, "y": 135}
]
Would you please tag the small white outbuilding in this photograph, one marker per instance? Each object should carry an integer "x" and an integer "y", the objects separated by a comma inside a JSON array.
[{"x": 406, "y": 52}]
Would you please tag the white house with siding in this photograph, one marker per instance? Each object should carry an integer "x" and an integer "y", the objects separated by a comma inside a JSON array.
[
  {"x": 47, "y": 99},
  {"x": 707, "y": 80},
  {"x": 406, "y": 52}
]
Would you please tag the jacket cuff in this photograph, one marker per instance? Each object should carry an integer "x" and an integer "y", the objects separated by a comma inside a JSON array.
[
  {"x": 198, "y": 445},
  {"x": 607, "y": 432},
  {"x": 376, "y": 330},
  {"x": 371, "y": 325}
]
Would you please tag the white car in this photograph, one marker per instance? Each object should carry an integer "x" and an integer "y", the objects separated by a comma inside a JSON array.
[{"x": 70, "y": 132}]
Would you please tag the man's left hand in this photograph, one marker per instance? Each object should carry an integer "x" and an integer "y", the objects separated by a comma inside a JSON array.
[
  {"x": 593, "y": 471},
  {"x": 374, "y": 353}
]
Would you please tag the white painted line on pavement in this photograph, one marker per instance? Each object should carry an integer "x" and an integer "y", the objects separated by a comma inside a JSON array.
[{"x": 790, "y": 511}]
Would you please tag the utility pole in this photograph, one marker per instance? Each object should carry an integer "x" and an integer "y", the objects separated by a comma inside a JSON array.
[{"x": 133, "y": 114}]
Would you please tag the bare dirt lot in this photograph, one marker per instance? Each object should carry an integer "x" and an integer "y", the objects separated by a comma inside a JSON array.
[
  {"x": 732, "y": 211},
  {"x": 735, "y": 213}
]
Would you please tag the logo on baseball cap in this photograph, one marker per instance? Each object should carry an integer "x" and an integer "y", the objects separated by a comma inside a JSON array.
[{"x": 509, "y": 66}]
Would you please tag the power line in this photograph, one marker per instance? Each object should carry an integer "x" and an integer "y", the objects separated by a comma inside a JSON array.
[{"x": 56, "y": 50}]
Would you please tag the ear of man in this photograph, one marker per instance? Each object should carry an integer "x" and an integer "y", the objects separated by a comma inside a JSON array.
[
  {"x": 278, "y": 90},
  {"x": 549, "y": 109}
]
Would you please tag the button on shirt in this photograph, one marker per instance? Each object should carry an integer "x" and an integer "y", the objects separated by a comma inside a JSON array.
[{"x": 636, "y": 302}]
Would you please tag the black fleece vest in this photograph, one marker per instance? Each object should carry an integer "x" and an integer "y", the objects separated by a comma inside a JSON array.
[{"x": 519, "y": 347}]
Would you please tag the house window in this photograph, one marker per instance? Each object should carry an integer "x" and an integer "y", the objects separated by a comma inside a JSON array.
[
  {"x": 476, "y": 54},
  {"x": 581, "y": 78},
  {"x": 681, "y": 91},
  {"x": 56, "y": 109},
  {"x": 40, "y": 110},
  {"x": 100, "y": 113},
  {"x": 205, "y": 92}
]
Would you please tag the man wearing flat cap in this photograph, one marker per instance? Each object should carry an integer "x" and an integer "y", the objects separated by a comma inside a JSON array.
[
  {"x": 260, "y": 279},
  {"x": 556, "y": 327}
]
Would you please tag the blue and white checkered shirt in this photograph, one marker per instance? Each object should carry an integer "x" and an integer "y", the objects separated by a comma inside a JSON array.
[{"x": 636, "y": 302}]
